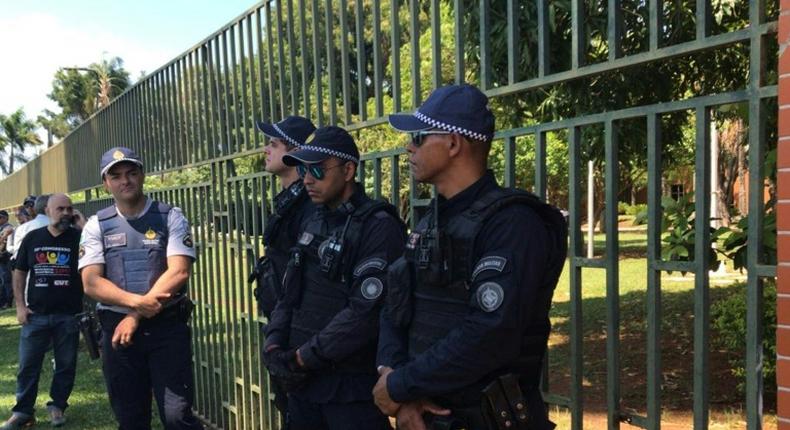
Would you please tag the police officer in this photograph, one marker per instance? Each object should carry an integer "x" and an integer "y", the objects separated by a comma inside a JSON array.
[
  {"x": 321, "y": 342},
  {"x": 135, "y": 260},
  {"x": 466, "y": 320},
  {"x": 291, "y": 206},
  {"x": 6, "y": 292}
]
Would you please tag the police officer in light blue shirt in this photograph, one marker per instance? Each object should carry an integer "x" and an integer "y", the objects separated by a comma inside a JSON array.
[{"x": 135, "y": 259}]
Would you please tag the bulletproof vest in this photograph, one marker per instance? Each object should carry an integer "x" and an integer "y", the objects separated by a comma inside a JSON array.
[
  {"x": 441, "y": 259},
  {"x": 326, "y": 276},
  {"x": 278, "y": 242},
  {"x": 135, "y": 250}
]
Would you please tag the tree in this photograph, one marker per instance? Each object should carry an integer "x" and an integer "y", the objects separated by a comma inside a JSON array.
[
  {"x": 16, "y": 133},
  {"x": 80, "y": 92}
]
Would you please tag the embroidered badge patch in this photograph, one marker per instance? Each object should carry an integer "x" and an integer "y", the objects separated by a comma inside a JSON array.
[
  {"x": 372, "y": 288},
  {"x": 414, "y": 239},
  {"x": 188, "y": 241},
  {"x": 371, "y": 263},
  {"x": 492, "y": 262},
  {"x": 490, "y": 296},
  {"x": 82, "y": 251},
  {"x": 115, "y": 240}
]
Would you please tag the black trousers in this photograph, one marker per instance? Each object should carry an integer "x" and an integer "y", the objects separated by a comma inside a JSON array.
[
  {"x": 306, "y": 415},
  {"x": 159, "y": 361}
]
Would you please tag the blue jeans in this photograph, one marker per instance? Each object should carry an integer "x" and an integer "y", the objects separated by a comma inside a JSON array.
[{"x": 41, "y": 331}]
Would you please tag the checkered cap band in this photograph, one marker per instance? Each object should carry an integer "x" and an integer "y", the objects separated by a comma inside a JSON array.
[
  {"x": 290, "y": 139},
  {"x": 451, "y": 128},
  {"x": 331, "y": 152}
]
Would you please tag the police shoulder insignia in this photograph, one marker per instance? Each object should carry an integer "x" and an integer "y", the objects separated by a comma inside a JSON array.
[
  {"x": 188, "y": 241},
  {"x": 150, "y": 234},
  {"x": 371, "y": 263},
  {"x": 371, "y": 288},
  {"x": 491, "y": 262},
  {"x": 490, "y": 296},
  {"x": 82, "y": 251}
]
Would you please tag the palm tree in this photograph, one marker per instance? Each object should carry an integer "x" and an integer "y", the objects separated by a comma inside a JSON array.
[{"x": 16, "y": 132}]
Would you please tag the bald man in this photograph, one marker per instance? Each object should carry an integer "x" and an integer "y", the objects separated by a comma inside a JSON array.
[{"x": 46, "y": 306}]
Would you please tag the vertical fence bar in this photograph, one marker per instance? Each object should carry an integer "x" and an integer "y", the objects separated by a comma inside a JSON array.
[
  {"x": 253, "y": 87},
  {"x": 414, "y": 29},
  {"x": 378, "y": 66},
  {"x": 578, "y": 35},
  {"x": 395, "y": 33},
  {"x": 510, "y": 161},
  {"x": 264, "y": 113},
  {"x": 244, "y": 72},
  {"x": 653, "y": 276},
  {"x": 703, "y": 17},
  {"x": 330, "y": 56},
  {"x": 701, "y": 260},
  {"x": 655, "y": 23},
  {"x": 614, "y": 29},
  {"x": 485, "y": 45},
  {"x": 303, "y": 54},
  {"x": 575, "y": 275},
  {"x": 612, "y": 276},
  {"x": 459, "y": 41},
  {"x": 436, "y": 44},
  {"x": 345, "y": 66},
  {"x": 540, "y": 165},
  {"x": 319, "y": 96},
  {"x": 275, "y": 115},
  {"x": 362, "y": 74},
  {"x": 513, "y": 56},
  {"x": 292, "y": 57},
  {"x": 281, "y": 56},
  {"x": 544, "y": 60}
]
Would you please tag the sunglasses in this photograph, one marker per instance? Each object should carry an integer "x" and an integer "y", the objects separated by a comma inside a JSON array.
[
  {"x": 316, "y": 170},
  {"x": 417, "y": 138}
]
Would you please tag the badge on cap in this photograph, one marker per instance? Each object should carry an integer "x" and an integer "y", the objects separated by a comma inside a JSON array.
[
  {"x": 490, "y": 296},
  {"x": 371, "y": 288},
  {"x": 117, "y": 155}
]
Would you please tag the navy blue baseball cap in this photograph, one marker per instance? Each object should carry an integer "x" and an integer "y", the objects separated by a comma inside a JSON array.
[
  {"x": 327, "y": 142},
  {"x": 118, "y": 155},
  {"x": 293, "y": 129},
  {"x": 29, "y": 201},
  {"x": 461, "y": 109}
]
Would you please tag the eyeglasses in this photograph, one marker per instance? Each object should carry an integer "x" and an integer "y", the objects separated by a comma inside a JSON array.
[
  {"x": 417, "y": 138},
  {"x": 316, "y": 170}
]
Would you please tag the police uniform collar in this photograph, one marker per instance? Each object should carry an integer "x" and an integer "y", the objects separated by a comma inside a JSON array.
[{"x": 464, "y": 199}]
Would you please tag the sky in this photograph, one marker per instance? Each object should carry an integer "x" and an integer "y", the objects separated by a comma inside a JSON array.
[{"x": 39, "y": 36}]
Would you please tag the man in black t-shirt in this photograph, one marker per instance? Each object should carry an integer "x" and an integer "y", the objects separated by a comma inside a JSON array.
[{"x": 46, "y": 307}]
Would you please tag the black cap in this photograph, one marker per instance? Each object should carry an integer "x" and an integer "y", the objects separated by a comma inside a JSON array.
[
  {"x": 118, "y": 155},
  {"x": 29, "y": 201},
  {"x": 461, "y": 109},
  {"x": 3, "y": 213},
  {"x": 327, "y": 142},
  {"x": 293, "y": 129}
]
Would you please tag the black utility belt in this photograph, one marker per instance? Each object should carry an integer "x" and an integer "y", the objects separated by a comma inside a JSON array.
[{"x": 179, "y": 311}]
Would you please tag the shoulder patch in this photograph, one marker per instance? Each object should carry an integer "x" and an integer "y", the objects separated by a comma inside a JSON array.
[
  {"x": 371, "y": 263},
  {"x": 371, "y": 288},
  {"x": 187, "y": 241},
  {"x": 491, "y": 262},
  {"x": 490, "y": 296}
]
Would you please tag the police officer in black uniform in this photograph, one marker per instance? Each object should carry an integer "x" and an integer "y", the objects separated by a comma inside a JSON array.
[
  {"x": 291, "y": 207},
  {"x": 466, "y": 320},
  {"x": 135, "y": 259},
  {"x": 321, "y": 341}
]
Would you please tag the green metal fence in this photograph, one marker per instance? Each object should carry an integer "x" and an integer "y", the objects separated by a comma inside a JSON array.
[{"x": 354, "y": 62}]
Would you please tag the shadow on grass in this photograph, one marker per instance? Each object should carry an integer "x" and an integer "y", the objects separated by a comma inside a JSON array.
[{"x": 677, "y": 354}]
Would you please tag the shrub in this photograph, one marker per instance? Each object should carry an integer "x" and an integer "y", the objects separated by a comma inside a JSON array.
[{"x": 728, "y": 318}]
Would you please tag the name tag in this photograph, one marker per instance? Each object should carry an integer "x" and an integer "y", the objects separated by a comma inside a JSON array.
[{"x": 115, "y": 240}]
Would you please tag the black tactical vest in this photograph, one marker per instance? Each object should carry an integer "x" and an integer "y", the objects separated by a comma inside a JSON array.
[
  {"x": 443, "y": 273},
  {"x": 326, "y": 277},
  {"x": 277, "y": 239}
]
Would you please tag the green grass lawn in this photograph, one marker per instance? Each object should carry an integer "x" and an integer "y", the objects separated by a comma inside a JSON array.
[{"x": 89, "y": 407}]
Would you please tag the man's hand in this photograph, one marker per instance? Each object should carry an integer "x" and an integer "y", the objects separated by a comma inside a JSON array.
[
  {"x": 283, "y": 368},
  {"x": 381, "y": 396},
  {"x": 125, "y": 330},
  {"x": 22, "y": 313},
  {"x": 409, "y": 416},
  {"x": 150, "y": 304}
]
